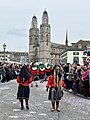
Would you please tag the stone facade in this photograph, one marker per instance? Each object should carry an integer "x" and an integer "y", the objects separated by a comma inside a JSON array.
[{"x": 41, "y": 49}]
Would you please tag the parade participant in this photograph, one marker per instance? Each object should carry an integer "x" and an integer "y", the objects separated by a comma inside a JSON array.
[
  {"x": 41, "y": 71},
  {"x": 24, "y": 79},
  {"x": 55, "y": 85},
  {"x": 48, "y": 69},
  {"x": 34, "y": 72}
]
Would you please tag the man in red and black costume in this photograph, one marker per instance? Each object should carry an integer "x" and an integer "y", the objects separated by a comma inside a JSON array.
[
  {"x": 48, "y": 69},
  {"x": 34, "y": 72},
  {"x": 41, "y": 71}
]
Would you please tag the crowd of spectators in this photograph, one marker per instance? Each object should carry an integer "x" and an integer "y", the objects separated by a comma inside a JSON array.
[
  {"x": 77, "y": 78},
  {"x": 8, "y": 71}
]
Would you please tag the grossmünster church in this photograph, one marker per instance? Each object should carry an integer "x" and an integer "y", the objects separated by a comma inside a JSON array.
[{"x": 41, "y": 49}]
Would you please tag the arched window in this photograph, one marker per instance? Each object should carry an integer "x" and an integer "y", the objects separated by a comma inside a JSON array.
[
  {"x": 41, "y": 37},
  {"x": 35, "y": 51},
  {"x": 76, "y": 60},
  {"x": 36, "y": 41},
  {"x": 46, "y": 39},
  {"x": 30, "y": 40}
]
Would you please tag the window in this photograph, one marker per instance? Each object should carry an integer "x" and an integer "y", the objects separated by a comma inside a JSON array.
[
  {"x": 30, "y": 40},
  {"x": 47, "y": 28},
  {"x": 54, "y": 50},
  {"x": 35, "y": 40},
  {"x": 41, "y": 37},
  {"x": 47, "y": 40},
  {"x": 51, "y": 61},
  {"x": 75, "y": 53},
  {"x": 60, "y": 51},
  {"x": 35, "y": 51},
  {"x": 88, "y": 46},
  {"x": 42, "y": 29},
  {"x": 75, "y": 60},
  {"x": 79, "y": 46}
]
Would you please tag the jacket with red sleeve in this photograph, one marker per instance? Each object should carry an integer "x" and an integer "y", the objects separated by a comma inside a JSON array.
[
  {"x": 42, "y": 72},
  {"x": 34, "y": 72},
  {"x": 48, "y": 70},
  {"x": 19, "y": 80},
  {"x": 50, "y": 81}
]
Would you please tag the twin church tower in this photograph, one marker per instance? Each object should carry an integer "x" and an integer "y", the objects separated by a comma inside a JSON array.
[
  {"x": 40, "y": 40},
  {"x": 40, "y": 46}
]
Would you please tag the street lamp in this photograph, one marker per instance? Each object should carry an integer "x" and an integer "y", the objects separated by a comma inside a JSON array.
[{"x": 4, "y": 47}]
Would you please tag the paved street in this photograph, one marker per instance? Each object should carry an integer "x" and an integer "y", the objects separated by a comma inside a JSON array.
[{"x": 72, "y": 107}]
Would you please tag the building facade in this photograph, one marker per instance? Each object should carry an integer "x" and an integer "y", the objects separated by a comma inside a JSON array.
[
  {"x": 14, "y": 57},
  {"x": 76, "y": 52}
]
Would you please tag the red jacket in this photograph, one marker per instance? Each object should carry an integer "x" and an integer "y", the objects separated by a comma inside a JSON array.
[
  {"x": 34, "y": 72},
  {"x": 50, "y": 81},
  {"x": 19, "y": 80},
  {"x": 48, "y": 70},
  {"x": 41, "y": 72}
]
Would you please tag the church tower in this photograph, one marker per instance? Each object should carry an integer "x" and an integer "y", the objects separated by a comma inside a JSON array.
[
  {"x": 34, "y": 40},
  {"x": 45, "y": 39}
]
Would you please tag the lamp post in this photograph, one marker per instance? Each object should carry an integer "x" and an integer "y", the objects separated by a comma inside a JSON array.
[{"x": 4, "y": 47}]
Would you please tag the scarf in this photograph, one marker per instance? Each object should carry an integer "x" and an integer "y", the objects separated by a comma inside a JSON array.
[
  {"x": 24, "y": 74},
  {"x": 58, "y": 80}
]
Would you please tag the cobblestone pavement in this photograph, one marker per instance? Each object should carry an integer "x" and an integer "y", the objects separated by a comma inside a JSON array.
[{"x": 72, "y": 107}]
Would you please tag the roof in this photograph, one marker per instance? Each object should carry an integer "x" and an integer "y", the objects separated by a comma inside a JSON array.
[
  {"x": 72, "y": 49},
  {"x": 82, "y": 42},
  {"x": 45, "y": 12},
  {"x": 57, "y": 45},
  {"x": 34, "y": 17}
]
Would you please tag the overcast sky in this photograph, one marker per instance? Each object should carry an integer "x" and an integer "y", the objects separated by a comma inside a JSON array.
[{"x": 15, "y": 21}]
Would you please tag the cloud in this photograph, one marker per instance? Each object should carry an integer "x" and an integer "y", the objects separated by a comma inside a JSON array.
[{"x": 17, "y": 32}]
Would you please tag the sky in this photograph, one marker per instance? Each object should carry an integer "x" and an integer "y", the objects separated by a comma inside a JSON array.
[{"x": 16, "y": 16}]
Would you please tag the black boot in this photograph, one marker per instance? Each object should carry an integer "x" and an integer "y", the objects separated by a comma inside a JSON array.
[
  {"x": 53, "y": 106},
  {"x": 57, "y": 106},
  {"x": 22, "y": 107},
  {"x": 27, "y": 107}
]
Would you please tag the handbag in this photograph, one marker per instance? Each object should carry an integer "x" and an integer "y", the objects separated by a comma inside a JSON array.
[{"x": 61, "y": 93}]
